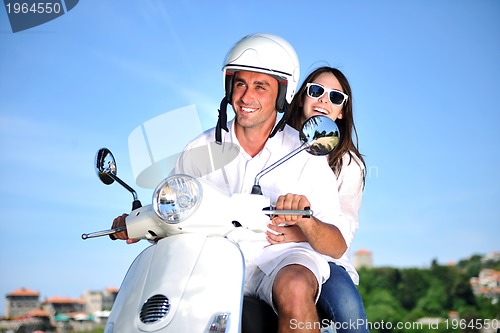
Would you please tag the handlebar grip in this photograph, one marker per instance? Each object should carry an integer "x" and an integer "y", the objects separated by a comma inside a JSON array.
[{"x": 306, "y": 213}]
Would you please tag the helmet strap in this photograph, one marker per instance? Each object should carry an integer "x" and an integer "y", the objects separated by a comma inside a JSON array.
[
  {"x": 281, "y": 124},
  {"x": 222, "y": 121},
  {"x": 281, "y": 99}
]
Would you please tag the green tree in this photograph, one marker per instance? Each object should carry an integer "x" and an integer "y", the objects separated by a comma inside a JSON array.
[
  {"x": 393, "y": 295},
  {"x": 378, "y": 278},
  {"x": 413, "y": 286},
  {"x": 434, "y": 302},
  {"x": 462, "y": 294},
  {"x": 382, "y": 307},
  {"x": 471, "y": 266}
]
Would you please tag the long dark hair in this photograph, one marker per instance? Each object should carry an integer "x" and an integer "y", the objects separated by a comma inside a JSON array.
[{"x": 346, "y": 125}]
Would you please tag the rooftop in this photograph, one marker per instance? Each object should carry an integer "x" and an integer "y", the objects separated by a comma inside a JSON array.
[
  {"x": 63, "y": 300},
  {"x": 23, "y": 292}
]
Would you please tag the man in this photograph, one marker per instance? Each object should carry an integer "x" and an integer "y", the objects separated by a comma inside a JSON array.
[{"x": 261, "y": 74}]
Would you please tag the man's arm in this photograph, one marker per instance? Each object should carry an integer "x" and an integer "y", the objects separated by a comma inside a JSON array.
[{"x": 323, "y": 237}]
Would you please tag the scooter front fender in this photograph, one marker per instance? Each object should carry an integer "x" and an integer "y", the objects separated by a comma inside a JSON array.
[{"x": 181, "y": 284}]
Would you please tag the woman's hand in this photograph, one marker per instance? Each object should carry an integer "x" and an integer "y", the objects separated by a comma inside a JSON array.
[{"x": 284, "y": 234}]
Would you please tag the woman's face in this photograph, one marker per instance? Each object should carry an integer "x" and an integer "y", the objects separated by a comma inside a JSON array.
[{"x": 322, "y": 105}]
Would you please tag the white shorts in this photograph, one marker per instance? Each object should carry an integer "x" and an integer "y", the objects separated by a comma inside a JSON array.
[{"x": 260, "y": 284}]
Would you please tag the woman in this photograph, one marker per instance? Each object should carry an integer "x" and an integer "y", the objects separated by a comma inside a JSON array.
[{"x": 326, "y": 91}]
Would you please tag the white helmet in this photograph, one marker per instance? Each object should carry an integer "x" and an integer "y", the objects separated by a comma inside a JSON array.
[{"x": 267, "y": 54}]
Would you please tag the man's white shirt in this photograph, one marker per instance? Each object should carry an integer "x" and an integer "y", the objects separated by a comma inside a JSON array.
[{"x": 232, "y": 170}]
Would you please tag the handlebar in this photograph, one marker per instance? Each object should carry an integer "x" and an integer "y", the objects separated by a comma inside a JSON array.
[
  {"x": 267, "y": 211},
  {"x": 104, "y": 232},
  {"x": 305, "y": 213}
]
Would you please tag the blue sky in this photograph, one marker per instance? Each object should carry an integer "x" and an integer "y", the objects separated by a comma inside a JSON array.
[{"x": 426, "y": 97}]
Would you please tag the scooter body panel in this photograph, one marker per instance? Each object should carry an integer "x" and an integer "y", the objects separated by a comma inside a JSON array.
[{"x": 195, "y": 276}]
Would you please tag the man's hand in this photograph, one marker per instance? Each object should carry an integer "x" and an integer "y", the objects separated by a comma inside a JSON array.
[
  {"x": 325, "y": 238},
  {"x": 120, "y": 222},
  {"x": 294, "y": 202}
]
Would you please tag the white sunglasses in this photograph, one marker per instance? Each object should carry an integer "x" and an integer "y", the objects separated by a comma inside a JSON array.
[{"x": 316, "y": 90}]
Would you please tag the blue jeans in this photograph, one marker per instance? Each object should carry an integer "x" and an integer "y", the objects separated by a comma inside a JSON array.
[{"x": 340, "y": 302}]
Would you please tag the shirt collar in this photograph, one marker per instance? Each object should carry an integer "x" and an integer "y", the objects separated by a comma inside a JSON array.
[{"x": 272, "y": 144}]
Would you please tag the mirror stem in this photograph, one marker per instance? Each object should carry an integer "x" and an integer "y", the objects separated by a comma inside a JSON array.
[
  {"x": 122, "y": 183},
  {"x": 256, "y": 187}
]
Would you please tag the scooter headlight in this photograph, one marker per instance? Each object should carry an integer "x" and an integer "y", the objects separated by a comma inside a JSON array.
[{"x": 176, "y": 198}]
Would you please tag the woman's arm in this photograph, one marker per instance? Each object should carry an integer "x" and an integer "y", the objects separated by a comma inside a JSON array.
[{"x": 350, "y": 190}]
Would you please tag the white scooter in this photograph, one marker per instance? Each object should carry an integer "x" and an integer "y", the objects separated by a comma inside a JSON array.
[{"x": 191, "y": 279}]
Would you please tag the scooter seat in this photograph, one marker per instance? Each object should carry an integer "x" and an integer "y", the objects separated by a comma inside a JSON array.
[{"x": 258, "y": 317}]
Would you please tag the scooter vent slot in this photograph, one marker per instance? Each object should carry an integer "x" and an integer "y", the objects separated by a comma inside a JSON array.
[{"x": 154, "y": 309}]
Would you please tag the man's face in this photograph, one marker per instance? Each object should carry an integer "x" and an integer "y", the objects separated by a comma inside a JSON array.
[{"x": 254, "y": 100}]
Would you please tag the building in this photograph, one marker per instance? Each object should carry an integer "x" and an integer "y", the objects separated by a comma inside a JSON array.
[
  {"x": 93, "y": 300},
  {"x": 363, "y": 258},
  {"x": 21, "y": 301},
  {"x": 39, "y": 320},
  {"x": 26, "y": 313},
  {"x": 96, "y": 301},
  {"x": 491, "y": 256},
  {"x": 109, "y": 295},
  {"x": 487, "y": 284},
  {"x": 63, "y": 305}
]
